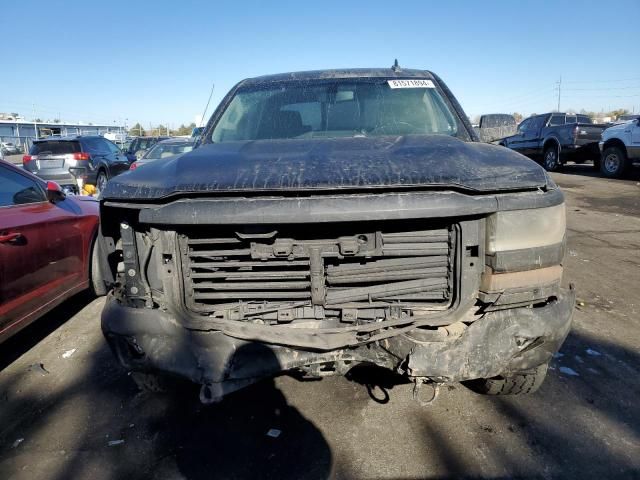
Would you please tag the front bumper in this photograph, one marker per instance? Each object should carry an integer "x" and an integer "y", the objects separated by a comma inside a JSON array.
[{"x": 501, "y": 342}]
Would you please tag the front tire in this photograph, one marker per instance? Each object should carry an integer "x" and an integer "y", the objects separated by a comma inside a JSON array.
[
  {"x": 521, "y": 384},
  {"x": 551, "y": 159},
  {"x": 614, "y": 162}
]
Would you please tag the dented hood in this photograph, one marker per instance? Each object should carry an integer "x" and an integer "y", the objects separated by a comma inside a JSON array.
[{"x": 358, "y": 163}]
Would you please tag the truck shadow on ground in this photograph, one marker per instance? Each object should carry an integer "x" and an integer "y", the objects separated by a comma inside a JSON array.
[
  {"x": 550, "y": 434},
  {"x": 30, "y": 336},
  {"x": 124, "y": 433},
  {"x": 566, "y": 429},
  {"x": 587, "y": 170}
]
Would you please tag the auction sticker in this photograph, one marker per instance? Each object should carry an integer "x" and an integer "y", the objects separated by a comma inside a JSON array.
[{"x": 412, "y": 83}]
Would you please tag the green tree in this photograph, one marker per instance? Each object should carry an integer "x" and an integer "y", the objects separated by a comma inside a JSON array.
[
  {"x": 616, "y": 113},
  {"x": 185, "y": 129},
  {"x": 137, "y": 131}
]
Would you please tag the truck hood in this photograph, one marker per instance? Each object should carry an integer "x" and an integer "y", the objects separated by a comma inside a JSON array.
[
  {"x": 615, "y": 129},
  {"x": 358, "y": 163}
]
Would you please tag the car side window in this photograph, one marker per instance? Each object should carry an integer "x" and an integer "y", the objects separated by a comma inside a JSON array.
[
  {"x": 556, "y": 120},
  {"x": 112, "y": 147},
  {"x": 95, "y": 146},
  {"x": 18, "y": 189},
  {"x": 524, "y": 126},
  {"x": 536, "y": 124}
]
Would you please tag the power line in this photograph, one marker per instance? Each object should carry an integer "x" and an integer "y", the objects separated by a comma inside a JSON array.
[
  {"x": 603, "y": 89},
  {"x": 585, "y": 95},
  {"x": 606, "y": 81}
]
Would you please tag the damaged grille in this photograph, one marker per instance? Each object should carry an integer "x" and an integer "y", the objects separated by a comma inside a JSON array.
[{"x": 328, "y": 267}]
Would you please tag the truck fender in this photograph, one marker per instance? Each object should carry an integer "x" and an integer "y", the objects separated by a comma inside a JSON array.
[{"x": 551, "y": 138}]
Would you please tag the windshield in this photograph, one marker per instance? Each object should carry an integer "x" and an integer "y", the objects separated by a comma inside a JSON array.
[
  {"x": 163, "y": 150},
  {"x": 54, "y": 147},
  {"x": 335, "y": 109}
]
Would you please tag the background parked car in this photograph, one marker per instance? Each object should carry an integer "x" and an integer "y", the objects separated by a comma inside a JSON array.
[
  {"x": 626, "y": 118},
  {"x": 47, "y": 247},
  {"x": 554, "y": 138},
  {"x": 9, "y": 148},
  {"x": 140, "y": 145},
  {"x": 166, "y": 148},
  {"x": 90, "y": 159},
  {"x": 494, "y": 127},
  {"x": 620, "y": 146}
]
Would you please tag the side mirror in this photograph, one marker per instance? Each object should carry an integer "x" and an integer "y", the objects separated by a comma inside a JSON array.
[{"x": 54, "y": 192}]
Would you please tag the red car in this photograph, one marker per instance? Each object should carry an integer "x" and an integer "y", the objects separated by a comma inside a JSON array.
[{"x": 46, "y": 247}]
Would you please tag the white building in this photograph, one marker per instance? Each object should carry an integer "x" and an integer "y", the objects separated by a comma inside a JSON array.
[{"x": 22, "y": 133}]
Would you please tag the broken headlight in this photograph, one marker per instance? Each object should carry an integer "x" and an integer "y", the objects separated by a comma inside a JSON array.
[{"x": 523, "y": 229}]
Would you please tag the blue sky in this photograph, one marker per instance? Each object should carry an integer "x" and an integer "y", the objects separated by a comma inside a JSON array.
[{"x": 154, "y": 62}]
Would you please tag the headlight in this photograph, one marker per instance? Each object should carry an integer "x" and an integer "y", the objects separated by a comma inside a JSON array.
[{"x": 522, "y": 229}]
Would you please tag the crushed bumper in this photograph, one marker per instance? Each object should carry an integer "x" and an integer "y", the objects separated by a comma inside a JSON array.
[{"x": 510, "y": 340}]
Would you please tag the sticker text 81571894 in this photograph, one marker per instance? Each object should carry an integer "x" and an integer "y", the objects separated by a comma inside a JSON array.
[{"x": 411, "y": 83}]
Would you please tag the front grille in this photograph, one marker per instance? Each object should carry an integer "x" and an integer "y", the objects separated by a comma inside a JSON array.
[{"x": 330, "y": 266}]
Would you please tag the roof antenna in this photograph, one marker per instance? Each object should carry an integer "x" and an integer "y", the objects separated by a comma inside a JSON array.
[{"x": 396, "y": 67}]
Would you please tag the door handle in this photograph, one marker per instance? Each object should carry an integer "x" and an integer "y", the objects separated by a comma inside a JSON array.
[{"x": 9, "y": 237}]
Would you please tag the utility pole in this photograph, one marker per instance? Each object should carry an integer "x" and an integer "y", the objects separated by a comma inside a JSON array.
[
  {"x": 559, "y": 91},
  {"x": 35, "y": 124}
]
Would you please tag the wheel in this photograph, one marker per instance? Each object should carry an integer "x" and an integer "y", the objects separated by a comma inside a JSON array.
[
  {"x": 149, "y": 382},
  {"x": 550, "y": 159},
  {"x": 98, "y": 288},
  {"x": 513, "y": 385},
  {"x": 101, "y": 182},
  {"x": 614, "y": 162}
]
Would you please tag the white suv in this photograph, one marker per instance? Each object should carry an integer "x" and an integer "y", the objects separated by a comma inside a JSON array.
[
  {"x": 620, "y": 147},
  {"x": 9, "y": 148}
]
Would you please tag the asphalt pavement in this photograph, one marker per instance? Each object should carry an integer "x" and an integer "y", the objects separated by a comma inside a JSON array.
[
  {"x": 15, "y": 159},
  {"x": 69, "y": 411}
]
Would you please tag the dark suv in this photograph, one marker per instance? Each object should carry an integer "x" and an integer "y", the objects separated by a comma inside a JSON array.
[
  {"x": 335, "y": 218},
  {"x": 65, "y": 160}
]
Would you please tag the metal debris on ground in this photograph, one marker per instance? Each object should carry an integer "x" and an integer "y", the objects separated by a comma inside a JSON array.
[
  {"x": 593, "y": 353},
  {"x": 274, "y": 433},
  {"x": 68, "y": 353},
  {"x": 569, "y": 371},
  {"x": 113, "y": 443},
  {"x": 17, "y": 442}
]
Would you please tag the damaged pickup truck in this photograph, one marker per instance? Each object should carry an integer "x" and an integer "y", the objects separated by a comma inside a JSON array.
[{"x": 330, "y": 219}]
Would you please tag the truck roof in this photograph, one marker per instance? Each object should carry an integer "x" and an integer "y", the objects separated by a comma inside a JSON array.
[{"x": 339, "y": 73}]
